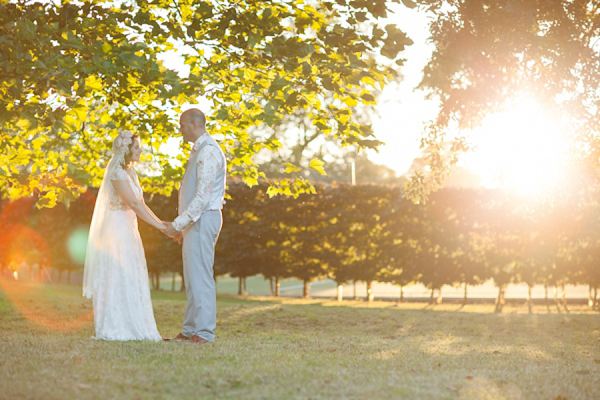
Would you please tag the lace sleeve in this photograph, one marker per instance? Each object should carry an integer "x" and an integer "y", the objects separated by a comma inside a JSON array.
[{"x": 119, "y": 174}]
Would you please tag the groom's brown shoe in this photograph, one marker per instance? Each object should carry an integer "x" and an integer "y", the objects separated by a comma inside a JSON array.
[
  {"x": 181, "y": 336},
  {"x": 198, "y": 339}
]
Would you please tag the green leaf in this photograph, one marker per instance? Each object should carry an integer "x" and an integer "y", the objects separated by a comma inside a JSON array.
[
  {"x": 317, "y": 165},
  {"x": 47, "y": 200},
  {"x": 409, "y": 3},
  {"x": 306, "y": 50},
  {"x": 289, "y": 168},
  {"x": 278, "y": 84},
  {"x": 24, "y": 123},
  {"x": 93, "y": 82},
  {"x": 253, "y": 39},
  {"x": 250, "y": 180},
  {"x": 38, "y": 142}
]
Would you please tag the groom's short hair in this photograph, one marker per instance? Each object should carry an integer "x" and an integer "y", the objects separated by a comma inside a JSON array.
[{"x": 196, "y": 116}]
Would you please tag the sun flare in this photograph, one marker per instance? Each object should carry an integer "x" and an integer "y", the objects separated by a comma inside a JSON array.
[{"x": 522, "y": 149}]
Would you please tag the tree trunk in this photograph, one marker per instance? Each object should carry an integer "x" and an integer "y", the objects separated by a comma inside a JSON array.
[
  {"x": 157, "y": 277},
  {"x": 529, "y": 298},
  {"x": 465, "y": 298},
  {"x": 182, "y": 288},
  {"x": 340, "y": 292},
  {"x": 277, "y": 287},
  {"x": 271, "y": 287},
  {"x": 595, "y": 297},
  {"x": 439, "y": 297},
  {"x": 555, "y": 294},
  {"x": 354, "y": 289},
  {"x": 240, "y": 286},
  {"x": 590, "y": 302},
  {"x": 564, "y": 295},
  {"x": 431, "y": 297},
  {"x": 306, "y": 289},
  {"x": 546, "y": 292},
  {"x": 401, "y": 298},
  {"x": 172, "y": 281},
  {"x": 500, "y": 299},
  {"x": 370, "y": 294}
]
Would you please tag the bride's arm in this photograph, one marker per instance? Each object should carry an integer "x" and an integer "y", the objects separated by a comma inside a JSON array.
[{"x": 141, "y": 209}]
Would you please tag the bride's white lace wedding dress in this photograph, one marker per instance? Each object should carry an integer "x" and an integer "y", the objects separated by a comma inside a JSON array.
[{"x": 115, "y": 272}]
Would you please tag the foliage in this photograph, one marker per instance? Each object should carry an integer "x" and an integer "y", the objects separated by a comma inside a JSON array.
[
  {"x": 73, "y": 74},
  {"x": 488, "y": 54}
]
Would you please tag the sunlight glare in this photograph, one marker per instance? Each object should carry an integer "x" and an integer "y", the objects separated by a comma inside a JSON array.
[
  {"x": 77, "y": 244},
  {"x": 521, "y": 149}
]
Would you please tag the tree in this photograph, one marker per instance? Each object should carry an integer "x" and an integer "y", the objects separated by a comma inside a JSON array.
[
  {"x": 73, "y": 74},
  {"x": 489, "y": 53},
  {"x": 402, "y": 245},
  {"x": 240, "y": 246},
  {"x": 163, "y": 255}
]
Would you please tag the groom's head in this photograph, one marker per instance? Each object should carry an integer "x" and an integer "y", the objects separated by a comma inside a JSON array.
[{"x": 192, "y": 124}]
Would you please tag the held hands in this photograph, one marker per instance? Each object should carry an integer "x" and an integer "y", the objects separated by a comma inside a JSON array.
[{"x": 172, "y": 232}]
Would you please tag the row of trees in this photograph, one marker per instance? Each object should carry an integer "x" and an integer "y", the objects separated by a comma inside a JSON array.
[{"x": 351, "y": 233}]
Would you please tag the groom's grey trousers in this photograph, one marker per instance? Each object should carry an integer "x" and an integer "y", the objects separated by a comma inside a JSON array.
[{"x": 199, "y": 242}]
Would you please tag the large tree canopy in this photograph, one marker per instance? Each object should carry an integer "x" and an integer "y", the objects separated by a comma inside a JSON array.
[
  {"x": 73, "y": 74},
  {"x": 490, "y": 52}
]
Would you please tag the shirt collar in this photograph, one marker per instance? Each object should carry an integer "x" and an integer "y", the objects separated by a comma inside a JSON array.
[{"x": 199, "y": 141}]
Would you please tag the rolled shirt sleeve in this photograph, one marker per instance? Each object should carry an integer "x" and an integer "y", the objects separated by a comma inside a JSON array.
[{"x": 206, "y": 167}]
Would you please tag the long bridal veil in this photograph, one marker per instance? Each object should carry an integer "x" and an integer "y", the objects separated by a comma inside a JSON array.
[{"x": 99, "y": 230}]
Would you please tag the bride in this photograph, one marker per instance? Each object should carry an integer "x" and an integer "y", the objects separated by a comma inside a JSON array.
[{"x": 115, "y": 274}]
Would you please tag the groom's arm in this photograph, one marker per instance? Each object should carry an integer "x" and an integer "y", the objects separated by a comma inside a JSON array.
[{"x": 208, "y": 163}]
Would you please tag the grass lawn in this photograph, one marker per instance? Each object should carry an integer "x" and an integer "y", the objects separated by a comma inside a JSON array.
[{"x": 292, "y": 348}]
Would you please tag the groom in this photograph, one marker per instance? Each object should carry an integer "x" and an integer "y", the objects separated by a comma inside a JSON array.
[{"x": 201, "y": 198}]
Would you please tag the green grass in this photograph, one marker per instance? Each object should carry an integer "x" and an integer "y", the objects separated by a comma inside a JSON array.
[{"x": 306, "y": 349}]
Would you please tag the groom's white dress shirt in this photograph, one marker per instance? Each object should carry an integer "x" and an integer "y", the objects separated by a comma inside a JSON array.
[{"x": 208, "y": 162}]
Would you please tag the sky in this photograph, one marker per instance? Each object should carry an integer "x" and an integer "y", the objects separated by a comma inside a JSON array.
[{"x": 402, "y": 109}]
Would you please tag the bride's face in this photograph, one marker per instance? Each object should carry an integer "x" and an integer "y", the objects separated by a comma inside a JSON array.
[{"x": 136, "y": 150}]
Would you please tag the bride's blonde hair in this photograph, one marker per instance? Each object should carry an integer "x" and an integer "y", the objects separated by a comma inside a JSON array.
[{"x": 122, "y": 147}]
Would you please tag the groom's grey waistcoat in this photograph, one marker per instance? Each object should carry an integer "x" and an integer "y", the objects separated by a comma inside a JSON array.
[{"x": 189, "y": 184}]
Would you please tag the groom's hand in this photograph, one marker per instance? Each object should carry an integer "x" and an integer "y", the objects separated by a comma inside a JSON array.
[{"x": 170, "y": 231}]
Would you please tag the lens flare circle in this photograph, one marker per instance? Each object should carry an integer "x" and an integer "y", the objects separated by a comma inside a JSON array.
[{"x": 77, "y": 243}]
